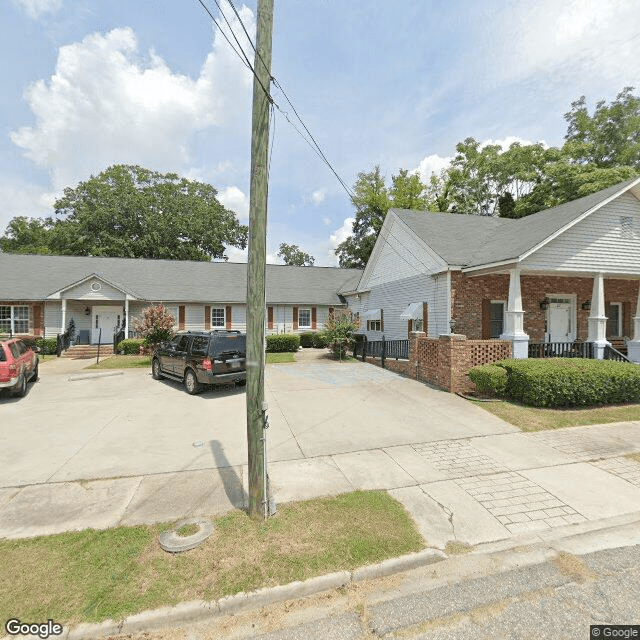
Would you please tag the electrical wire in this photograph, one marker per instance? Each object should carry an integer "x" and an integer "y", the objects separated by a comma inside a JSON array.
[{"x": 313, "y": 144}]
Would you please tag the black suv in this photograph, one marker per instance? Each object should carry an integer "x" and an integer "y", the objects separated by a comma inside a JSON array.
[{"x": 199, "y": 358}]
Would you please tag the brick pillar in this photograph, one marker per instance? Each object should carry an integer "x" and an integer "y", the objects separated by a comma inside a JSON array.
[{"x": 450, "y": 360}]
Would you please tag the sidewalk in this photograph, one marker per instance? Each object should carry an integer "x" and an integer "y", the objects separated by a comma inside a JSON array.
[{"x": 474, "y": 490}]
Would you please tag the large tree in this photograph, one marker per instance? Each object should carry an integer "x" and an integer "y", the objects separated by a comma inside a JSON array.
[
  {"x": 132, "y": 212},
  {"x": 294, "y": 256},
  {"x": 372, "y": 200}
]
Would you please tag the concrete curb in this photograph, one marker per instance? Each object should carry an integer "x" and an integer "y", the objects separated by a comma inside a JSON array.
[
  {"x": 98, "y": 374},
  {"x": 188, "y": 612}
]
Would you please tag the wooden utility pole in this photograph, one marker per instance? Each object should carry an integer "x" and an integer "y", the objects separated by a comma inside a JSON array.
[{"x": 257, "y": 259}]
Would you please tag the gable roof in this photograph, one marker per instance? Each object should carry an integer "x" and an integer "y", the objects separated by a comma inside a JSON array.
[
  {"x": 35, "y": 277},
  {"x": 471, "y": 241}
]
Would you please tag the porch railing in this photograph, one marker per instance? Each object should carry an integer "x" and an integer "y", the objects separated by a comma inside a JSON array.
[
  {"x": 63, "y": 342},
  {"x": 383, "y": 349},
  {"x": 613, "y": 354},
  {"x": 561, "y": 350}
]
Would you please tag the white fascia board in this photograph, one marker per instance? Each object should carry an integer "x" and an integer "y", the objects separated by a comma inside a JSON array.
[
  {"x": 56, "y": 295},
  {"x": 580, "y": 218},
  {"x": 491, "y": 265}
]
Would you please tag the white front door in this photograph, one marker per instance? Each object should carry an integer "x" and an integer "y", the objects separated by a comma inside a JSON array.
[
  {"x": 105, "y": 318},
  {"x": 559, "y": 322}
]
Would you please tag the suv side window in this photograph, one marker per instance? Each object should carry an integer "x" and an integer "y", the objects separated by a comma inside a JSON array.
[
  {"x": 3, "y": 356},
  {"x": 199, "y": 346},
  {"x": 22, "y": 347},
  {"x": 183, "y": 343},
  {"x": 15, "y": 352}
]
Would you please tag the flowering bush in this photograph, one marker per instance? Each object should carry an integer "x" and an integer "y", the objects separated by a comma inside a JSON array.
[
  {"x": 339, "y": 330},
  {"x": 156, "y": 325}
]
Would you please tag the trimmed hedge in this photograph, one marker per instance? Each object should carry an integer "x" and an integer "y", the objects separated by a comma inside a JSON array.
[
  {"x": 130, "y": 346},
  {"x": 47, "y": 346},
  {"x": 571, "y": 382},
  {"x": 283, "y": 342},
  {"x": 489, "y": 378},
  {"x": 315, "y": 339}
]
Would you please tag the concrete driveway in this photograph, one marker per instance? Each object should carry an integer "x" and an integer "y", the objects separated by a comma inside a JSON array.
[
  {"x": 70, "y": 427},
  {"x": 81, "y": 452}
]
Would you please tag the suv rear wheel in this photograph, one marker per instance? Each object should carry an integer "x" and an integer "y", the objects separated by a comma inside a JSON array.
[
  {"x": 155, "y": 370},
  {"x": 191, "y": 383}
]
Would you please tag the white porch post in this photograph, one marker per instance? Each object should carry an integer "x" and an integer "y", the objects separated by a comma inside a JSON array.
[
  {"x": 514, "y": 330},
  {"x": 126, "y": 317},
  {"x": 597, "y": 320},
  {"x": 64, "y": 315},
  {"x": 633, "y": 346}
]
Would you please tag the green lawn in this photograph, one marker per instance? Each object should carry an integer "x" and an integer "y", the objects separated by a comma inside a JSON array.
[
  {"x": 122, "y": 362},
  {"x": 92, "y": 575},
  {"x": 534, "y": 419},
  {"x": 285, "y": 356}
]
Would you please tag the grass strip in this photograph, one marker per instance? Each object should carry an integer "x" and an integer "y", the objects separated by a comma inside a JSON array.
[
  {"x": 123, "y": 362},
  {"x": 285, "y": 356},
  {"x": 89, "y": 576},
  {"x": 534, "y": 419}
]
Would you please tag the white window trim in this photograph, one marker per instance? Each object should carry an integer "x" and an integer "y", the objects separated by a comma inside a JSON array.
[
  {"x": 224, "y": 316},
  {"x": 12, "y": 318},
  {"x": 304, "y": 326}
]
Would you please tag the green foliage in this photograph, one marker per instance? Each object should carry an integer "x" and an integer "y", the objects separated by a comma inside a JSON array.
[
  {"x": 372, "y": 200},
  {"x": 47, "y": 346},
  {"x": 610, "y": 137},
  {"x": 489, "y": 378},
  {"x": 339, "y": 333},
  {"x": 571, "y": 382},
  {"x": 315, "y": 339},
  {"x": 130, "y": 346},
  {"x": 132, "y": 212},
  {"x": 294, "y": 256},
  {"x": 283, "y": 342},
  {"x": 156, "y": 325}
]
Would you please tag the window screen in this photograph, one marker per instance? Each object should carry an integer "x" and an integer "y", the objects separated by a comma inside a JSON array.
[
  {"x": 304, "y": 318},
  {"x": 217, "y": 316}
]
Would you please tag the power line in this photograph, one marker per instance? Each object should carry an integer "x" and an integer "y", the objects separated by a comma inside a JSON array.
[{"x": 313, "y": 144}]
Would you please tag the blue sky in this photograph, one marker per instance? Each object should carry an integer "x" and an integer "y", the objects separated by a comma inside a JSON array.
[{"x": 91, "y": 83}]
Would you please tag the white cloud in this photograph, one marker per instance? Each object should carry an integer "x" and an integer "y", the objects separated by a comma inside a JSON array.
[
  {"x": 108, "y": 104},
  {"x": 336, "y": 238},
  {"x": 23, "y": 199},
  {"x": 318, "y": 196},
  {"x": 236, "y": 255},
  {"x": 35, "y": 8},
  {"x": 234, "y": 199},
  {"x": 432, "y": 164},
  {"x": 326, "y": 221}
]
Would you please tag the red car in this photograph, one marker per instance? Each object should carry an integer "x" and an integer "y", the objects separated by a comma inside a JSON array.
[{"x": 18, "y": 365}]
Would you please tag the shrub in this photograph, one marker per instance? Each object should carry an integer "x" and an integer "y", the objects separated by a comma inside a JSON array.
[
  {"x": 130, "y": 346},
  {"x": 341, "y": 325},
  {"x": 571, "y": 382},
  {"x": 47, "y": 346},
  {"x": 306, "y": 340},
  {"x": 315, "y": 339},
  {"x": 283, "y": 342},
  {"x": 156, "y": 325},
  {"x": 489, "y": 378}
]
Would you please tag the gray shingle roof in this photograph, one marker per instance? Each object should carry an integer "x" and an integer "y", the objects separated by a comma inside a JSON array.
[
  {"x": 35, "y": 277},
  {"x": 470, "y": 240}
]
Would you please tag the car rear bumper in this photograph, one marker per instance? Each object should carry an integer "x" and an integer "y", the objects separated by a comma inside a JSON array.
[
  {"x": 12, "y": 382},
  {"x": 204, "y": 377}
]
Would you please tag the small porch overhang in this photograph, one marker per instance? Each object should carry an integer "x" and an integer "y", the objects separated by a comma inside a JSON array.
[
  {"x": 412, "y": 312},
  {"x": 99, "y": 281}
]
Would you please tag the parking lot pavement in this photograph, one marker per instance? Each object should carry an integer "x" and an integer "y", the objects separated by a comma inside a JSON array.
[{"x": 128, "y": 449}]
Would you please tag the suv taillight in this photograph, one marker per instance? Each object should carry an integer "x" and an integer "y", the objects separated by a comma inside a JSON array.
[{"x": 206, "y": 364}]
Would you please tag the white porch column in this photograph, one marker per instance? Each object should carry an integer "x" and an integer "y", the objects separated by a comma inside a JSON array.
[
  {"x": 64, "y": 315},
  {"x": 633, "y": 346},
  {"x": 126, "y": 317},
  {"x": 597, "y": 320},
  {"x": 514, "y": 329}
]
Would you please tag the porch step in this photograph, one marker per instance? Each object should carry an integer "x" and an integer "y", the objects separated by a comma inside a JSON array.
[
  {"x": 86, "y": 351},
  {"x": 619, "y": 345}
]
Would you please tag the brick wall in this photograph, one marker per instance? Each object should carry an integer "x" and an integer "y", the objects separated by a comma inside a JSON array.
[
  {"x": 468, "y": 293},
  {"x": 446, "y": 361}
]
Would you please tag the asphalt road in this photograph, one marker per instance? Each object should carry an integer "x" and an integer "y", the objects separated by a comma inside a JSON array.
[{"x": 520, "y": 594}]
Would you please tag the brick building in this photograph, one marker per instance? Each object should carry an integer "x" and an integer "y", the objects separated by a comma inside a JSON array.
[{"x": 563, "y": 276}]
